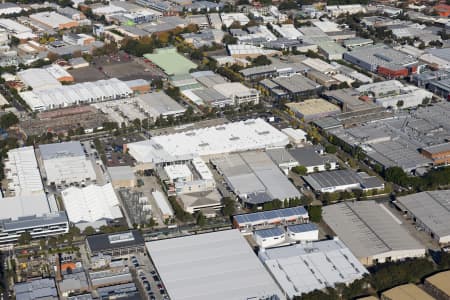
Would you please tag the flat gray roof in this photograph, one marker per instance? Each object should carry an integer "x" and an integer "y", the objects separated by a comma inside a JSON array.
[
  {"x": 431, "y": 208},
  {"x": 368, "y": 228},
  {"x": 43, "y": 288},
  {"x": 162, "y": 103},
  {"x": 50, "y": 151},
  {"x": 210, "y": 80},
  {"x": 302, "y": 268},
  {"x": 308, "y": 157},
  {"x": 218, "y": 265},
  {"x": 254, "y": 172},
  {"x": 48, "y": 219},
  {"x": 345, "y": 177},
  {"x": 280, "y": 155},
  {"x": 121, "y": 173},
  {"x": 209, "y": 95},
  {"x": 438, "y": 148},
  {"x": 296, "y": 83}
]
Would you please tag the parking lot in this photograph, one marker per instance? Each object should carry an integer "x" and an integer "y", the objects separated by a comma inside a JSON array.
[
  {"x": 126, "y": 67},
  {"x": 121, "y": 66},
  {"x": 112, "y": 147},
  {"x": 415, "y": 231},
  {"x": 100, "y": 169},
  {"x": 87, "y": 74},
  {"x": 147, "y": 278}
]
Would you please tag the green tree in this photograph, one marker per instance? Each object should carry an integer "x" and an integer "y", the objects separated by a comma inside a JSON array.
[
  {"x": 261, "y": 60},
  {"x": 89, "y": 230},
  {"x": 358, "y": 193},
  {"x": 157, "y": 83},
  {"x": 236, "y": 25},
  {"x": 180, "y": 213},
  {"x": 330, "y": 149},
  {"x": 152, "y": 223},
  {"x": 287, "y": 5},
  {"x": 392, "y": 274},
  {"x": 444, "y": 260},
  {"x": 277, "y": 204},
  {"x": 315, "y": 213},
  {"x": 79, "y": 131},
  {"x": 396, "y": 175},
  {"x": 74, "y": 231},
  {"x": 173, "y": 92},
  {"x": 330, "y": 294},
  {"x": 400, "y": 103},
  {"x": 300, "y": 170},
  {"x": 229, "y": 39},
  {"x": 8, "y": 120},
  {"x": 24, "y": 238},
  {"x": 201, "y": 219},
  {"x": 228, "y": 206}
]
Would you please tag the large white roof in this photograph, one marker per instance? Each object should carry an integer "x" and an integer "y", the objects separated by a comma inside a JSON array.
[
  {"x": 229, "y": 18},
  {"x": 159, "y": 104},
  {"x": 234, "y": 137},
  {"x": 24, "y": 206},
  {"x": 57, "y": 71},
  {"x": 38, "y": 79},
  {"x": 287, "y": 31},
  {"x": 202, "y": 169},
  {"x": 175, "y": 172},
  {"x": 66, "y": 162},
  {"x": 326, "y": 26},
  {"x": 91, "y": 203},
  {"x": 230, "y": 89},
  {"x": 51, "y": 19},
  {"x": 219, "y": 266},
  {"x": 303, "y": 268},
  {"x": 23, "y": 172},
  {"x": 67, "y": 95},
  {"x": 162, "y": 203},
  {"x": 14, "y": 27}
]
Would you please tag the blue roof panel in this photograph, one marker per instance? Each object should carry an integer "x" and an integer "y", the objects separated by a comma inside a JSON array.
[
  {"x": 271, "y": 232},
  {"x": 303, "y": 227},
  {"x": 271, "y": 214}
]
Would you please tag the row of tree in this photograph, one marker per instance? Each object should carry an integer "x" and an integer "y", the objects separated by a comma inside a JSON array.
[{"x": 431, "y": 180}]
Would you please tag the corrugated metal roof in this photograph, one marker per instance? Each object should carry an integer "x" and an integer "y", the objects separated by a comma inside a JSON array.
[{"x": 219, "y": 265}]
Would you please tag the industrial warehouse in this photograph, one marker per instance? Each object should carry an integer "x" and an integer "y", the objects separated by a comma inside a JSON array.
[
  {"x": 224, "y": 257},
  {"x": 372, "y": 232},
  {"x": 342, "y": 180},
  {"x": 92, "y": 205},
  {"x": 66, "y": 163},
  {"x": 430, "y": 211},
  {"x": 33, "y": 213},
  {"x": 22, "y": 172},
  {"x": 405, "y": 140},
  {"x": 254, "y": 177},
  {"x": 243, "y": 150},
  {"x": 233, "y": 137},
  {"x": 303, "y": 268},
  {"x": 88, "y": 92},
  {"x": 251, "y": 221}
]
